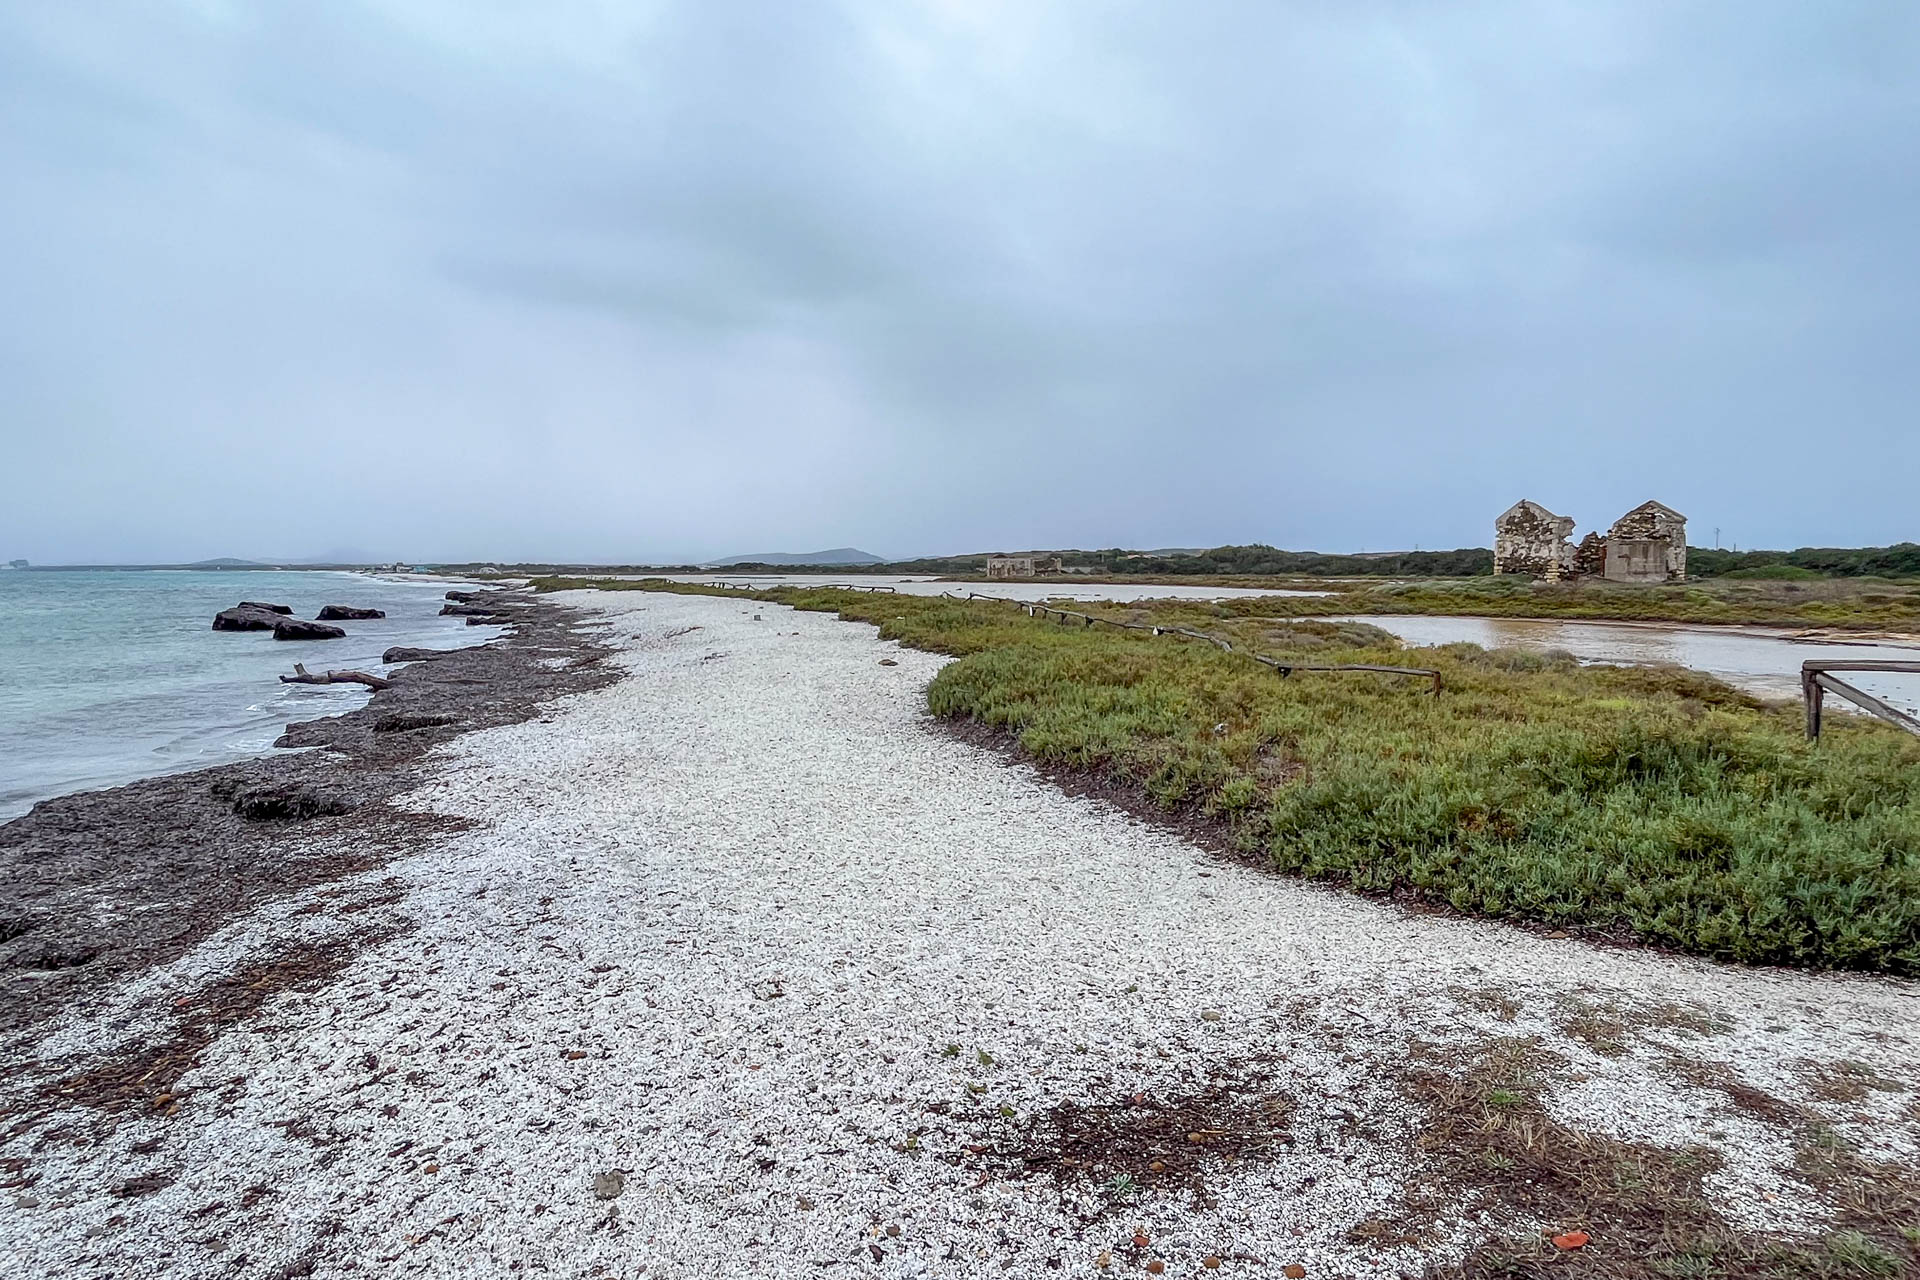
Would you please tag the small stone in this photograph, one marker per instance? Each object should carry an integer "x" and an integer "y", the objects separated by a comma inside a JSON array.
[
  {"x": 1209, "y": 1015},
  {"x": 893, "y": 1229},
  {"x": 1140, "y": 1240},
  {"x": 432, "y": 1168},
  {"x": 1103, "y": 1260},
  {"x": 1210, "y": 1262},
  {"x": 1294, "y": 1271},
  {"x": 1158, "y": 1166},
  {"x": 574, "y": 1055},
  {"x": 888, "y": 662},
  {"x": 27, "y": 1202},
  {"x": 1155, "y": 1267},
  {"x": 1559, "y": 933},
  {"x": 609, "y": 1185},
  {"x": 804, "y": 1203},
  {"x": 1196, "y": 1137}
]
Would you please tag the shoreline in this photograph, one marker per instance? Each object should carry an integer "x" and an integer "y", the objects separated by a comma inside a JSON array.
[
  {"x": 101, "y": 885},
  {"x": 114, "y": 678}
]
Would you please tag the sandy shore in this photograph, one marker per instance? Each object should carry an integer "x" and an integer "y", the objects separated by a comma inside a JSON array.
[{"x": 737, "y": 966}]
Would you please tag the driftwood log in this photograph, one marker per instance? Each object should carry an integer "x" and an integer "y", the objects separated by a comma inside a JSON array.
[{"x": 302, "y": 676}]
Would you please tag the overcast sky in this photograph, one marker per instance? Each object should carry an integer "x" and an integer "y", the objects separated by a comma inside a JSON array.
[{"x": 649, "y": 280}]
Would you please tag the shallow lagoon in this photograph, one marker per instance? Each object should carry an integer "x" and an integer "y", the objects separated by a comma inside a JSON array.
[{"x": 1761, "y": 661}]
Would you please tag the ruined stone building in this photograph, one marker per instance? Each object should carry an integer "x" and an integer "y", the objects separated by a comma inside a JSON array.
[
  {"x": 1022, "y": 566},
  {"x": 1648, "y": 544},
  {"x": 1529, "y": 539}
]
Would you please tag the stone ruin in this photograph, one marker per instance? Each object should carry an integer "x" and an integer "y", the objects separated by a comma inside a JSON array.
[
  {"x": 1529, "y": 539},
  {"x": 1000, "y": 565},
  {"x": 1648, "y": 544}
]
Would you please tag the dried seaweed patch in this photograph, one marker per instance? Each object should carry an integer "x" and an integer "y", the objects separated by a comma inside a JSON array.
[{"x": 1141, "y": 1141}]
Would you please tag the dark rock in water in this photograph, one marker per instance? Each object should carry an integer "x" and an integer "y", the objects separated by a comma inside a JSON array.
[
  {"x": 296, "y": 629},
  {"x": 283, "y": 610},
  {"x": 467, "y": 610},
  {"x": 489, "y": 620},
  {"x": 247, "y": 617},
  {"x": 288, "y": 802},
  {"x": 408, "y": 721},
  {"x": 400, "y": 653},
  {"x": 464, "y": 597},
  {"x": 347, "y": 613}
]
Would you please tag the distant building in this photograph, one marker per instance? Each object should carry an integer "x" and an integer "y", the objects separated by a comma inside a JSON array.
[
  {"x": 1648, "y": 544},
  {"x": 1529, "y": 539},
  {"x": 1022, "y": 566}
]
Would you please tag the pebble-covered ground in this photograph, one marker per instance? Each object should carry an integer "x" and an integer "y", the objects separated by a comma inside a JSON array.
[{"x": 744, "y": 969}]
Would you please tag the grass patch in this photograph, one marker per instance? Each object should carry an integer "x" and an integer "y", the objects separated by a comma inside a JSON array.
[
  {"x": 1763, "y": 599},
  {"x": 1653, "y": 804},
  {"x": 1794, "y": 599}
]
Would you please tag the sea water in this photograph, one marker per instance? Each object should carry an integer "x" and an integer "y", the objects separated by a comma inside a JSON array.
[{"x": 110, "y": 675}]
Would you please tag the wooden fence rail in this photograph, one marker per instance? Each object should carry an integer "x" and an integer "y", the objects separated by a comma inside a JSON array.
[
  {"x": 1816, "y": 681},
  {"x": 1283, "y": 666}
]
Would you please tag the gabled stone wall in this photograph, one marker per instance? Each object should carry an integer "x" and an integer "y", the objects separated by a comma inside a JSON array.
[
  {"x": 1648, "y": 544},
  {"x": 1531, "y": 540}
]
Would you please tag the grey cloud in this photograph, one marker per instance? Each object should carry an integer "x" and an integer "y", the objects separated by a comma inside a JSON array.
[{"x": 692, "y": 277}]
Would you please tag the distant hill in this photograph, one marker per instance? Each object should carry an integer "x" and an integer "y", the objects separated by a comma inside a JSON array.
[
  {"x": 226, "y": 562},
  {"x": 837, "y": 556},
  {"x": 337, "y": 555}
]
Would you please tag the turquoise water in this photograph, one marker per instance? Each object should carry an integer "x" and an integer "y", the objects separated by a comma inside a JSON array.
[{"x": 111, "y": 675}]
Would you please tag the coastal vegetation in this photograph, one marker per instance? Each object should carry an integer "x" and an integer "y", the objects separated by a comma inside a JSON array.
[
  {"x": 1853, "y": 604},
  {"x": 1856, "y": 604},
  {"x": 1657, "y": 805},
  {"x": 1902, "y": 560}
]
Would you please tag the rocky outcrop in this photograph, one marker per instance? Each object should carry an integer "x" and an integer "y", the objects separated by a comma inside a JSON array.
[
  {"x": 464, "y": 597},
  {"x": 347, "y": 613},
  {"x": 248, "y": 616},
  {"x": 468, "y": 610},
  {"x": 283, "y": 610},
  {"x": 299, "y": 629}
]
